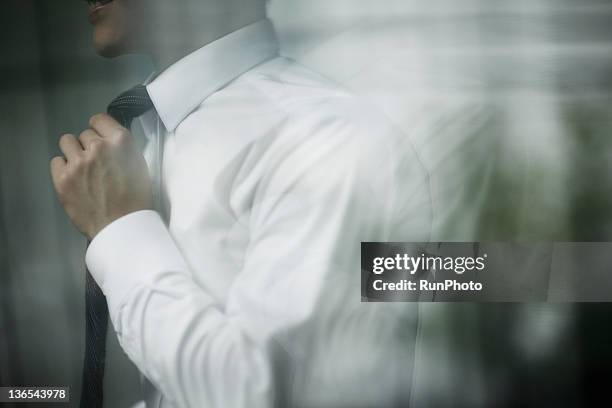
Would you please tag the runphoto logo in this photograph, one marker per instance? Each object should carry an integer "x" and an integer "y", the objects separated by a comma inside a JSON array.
[{"x": 426, "y": 262}]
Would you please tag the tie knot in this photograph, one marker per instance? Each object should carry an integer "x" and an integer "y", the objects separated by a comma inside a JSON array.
[{"x": 129, "y": 105}]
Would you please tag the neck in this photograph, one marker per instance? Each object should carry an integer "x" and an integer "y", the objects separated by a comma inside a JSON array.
[{"x": 180, "y": 35}]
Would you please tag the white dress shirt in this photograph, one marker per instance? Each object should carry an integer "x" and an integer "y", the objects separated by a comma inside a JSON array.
[{"x": 249, "y": 295}]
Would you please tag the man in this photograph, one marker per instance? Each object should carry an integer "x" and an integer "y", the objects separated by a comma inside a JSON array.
[{"x": 231, "y": 264}]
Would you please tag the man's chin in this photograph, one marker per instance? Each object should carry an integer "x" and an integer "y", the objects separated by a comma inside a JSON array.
[
  {"x": 108, "y": 51},
  {"x": 108, "y": 48}
]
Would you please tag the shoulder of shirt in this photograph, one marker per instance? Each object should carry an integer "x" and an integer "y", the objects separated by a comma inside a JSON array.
[
  {"x": 283, "y": 92},
  {"x": 307, "y": 106},
  {"x": 286, "y": 107}
]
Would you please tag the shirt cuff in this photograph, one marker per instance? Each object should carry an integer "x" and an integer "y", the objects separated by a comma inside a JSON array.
[{"x": 136, "y": 249}]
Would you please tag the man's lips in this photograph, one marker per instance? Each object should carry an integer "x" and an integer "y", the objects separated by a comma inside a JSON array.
[{"x": 95, "y": 7}]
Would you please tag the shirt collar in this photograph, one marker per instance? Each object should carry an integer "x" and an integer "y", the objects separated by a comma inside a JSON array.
[{"x": 182, "y": 87}]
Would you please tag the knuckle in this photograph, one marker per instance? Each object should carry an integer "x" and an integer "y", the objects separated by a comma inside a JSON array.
[
  {"x": 56, "y": 160},
  {"x": 78, "y": 163},
  {"x": 95, "y": 146},
  {"x": 95, "y": 118},
  {"x": 88, "y": 160},
  {"x": 65, "y": 138},
  {"x": 92, "y": 156}
]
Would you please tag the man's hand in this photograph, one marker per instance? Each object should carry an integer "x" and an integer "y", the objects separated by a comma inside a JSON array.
[{"x": 102, "y": 177}]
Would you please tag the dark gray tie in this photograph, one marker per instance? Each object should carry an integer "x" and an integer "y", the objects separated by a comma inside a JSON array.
[{"x": 123, "y": 109}]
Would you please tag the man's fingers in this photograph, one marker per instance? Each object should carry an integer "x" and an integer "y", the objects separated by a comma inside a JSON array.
[
  {"x": 106, "y": 126},
  {"x": 88, "y": 138},
  {"x": 70, "y": 146}
]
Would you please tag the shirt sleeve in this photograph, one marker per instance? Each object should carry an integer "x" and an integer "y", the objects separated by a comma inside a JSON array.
[{"x": 312, "y": 208}]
